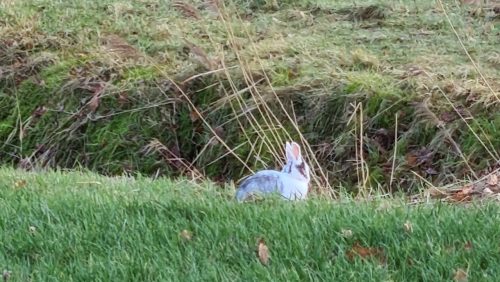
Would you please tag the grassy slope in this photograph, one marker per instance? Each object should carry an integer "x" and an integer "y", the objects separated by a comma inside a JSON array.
[
  {"x": 84, "y": 227},
  {"x": 324, "y": 56}
]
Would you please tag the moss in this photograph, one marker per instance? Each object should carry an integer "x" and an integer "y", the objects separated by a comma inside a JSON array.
[
  {"x": 147, "y": 73},
  {"x": 53, "y": 76},
  {"x": 30, "y": 95},
  {"x": 107, "y": 147},
  {"x": 488, "y": 130},
  {"x": 281, "y": 75},
  {"x": 377, "y": 176},
  {"x": 7, "y": 105}
]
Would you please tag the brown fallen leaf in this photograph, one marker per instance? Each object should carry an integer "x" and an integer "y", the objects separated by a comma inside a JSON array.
[
  {"x": 493, "y": 180},
  {"x": 263, "y": 252},
  {"x": 94, "y": 103},
  {"x": 194, "y": 116},
  {"x": 411, "y": 159},
  {"x": 460, "y": 275},
  {"x": 96, "y": 96},
  {"x": 467, "y": 190},
  {"x": 365, "y": 252},
  {"x": 463, "y": 195}
]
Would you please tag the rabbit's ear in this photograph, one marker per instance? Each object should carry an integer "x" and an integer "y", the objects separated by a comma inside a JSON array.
[
  {"x": 288, "y": 151},
  {"x": 295, "y": 150},
  {"x": 292, "y": 151}
]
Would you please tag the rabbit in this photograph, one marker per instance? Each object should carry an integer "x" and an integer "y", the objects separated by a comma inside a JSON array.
[{"x": 292, "y": 182}]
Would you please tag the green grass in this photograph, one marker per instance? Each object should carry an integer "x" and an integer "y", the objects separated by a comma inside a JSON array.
[
  {"x": 321, "y": 57},
  {"x": 75, "y": 226}
]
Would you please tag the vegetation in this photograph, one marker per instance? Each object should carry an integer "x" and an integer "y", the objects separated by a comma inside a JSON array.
[
  {"x": 383, "y": 96},
  {"x": 62, "y": 226},
  {"x": 385, "y": 93}
]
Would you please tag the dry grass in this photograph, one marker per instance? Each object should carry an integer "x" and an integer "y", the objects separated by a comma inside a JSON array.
[{"x": 219, "y": 86}]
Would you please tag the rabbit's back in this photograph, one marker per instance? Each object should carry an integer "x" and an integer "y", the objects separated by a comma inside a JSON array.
[
  {"x": 270, "y": 181},
  {"x": 264, "y": 182}
]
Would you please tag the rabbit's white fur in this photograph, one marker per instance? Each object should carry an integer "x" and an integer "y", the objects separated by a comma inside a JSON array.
[{"x": 292, "y": 182}]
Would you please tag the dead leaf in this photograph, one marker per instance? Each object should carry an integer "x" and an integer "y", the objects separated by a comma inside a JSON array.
[
  {"x": 460, "y": 275},
  {"x": 96, "y": 96},
  {"x": 408, "y": 227},
  {"x": 186, "y": 235},
  {"x": 468, "y": 246},
  {"x": 39, "y": 111},
  {"x": 463, "y": 195},
  {"x": 263, "y": 252},
  {"x": 20, "y": 183},
  {"x": 194, "y": 116},
  {"x": 488, "y": 191},
  {"x": 424, "y": 156},
  {"x": 94, "y": 103},
  {"x": 436, "y": 193},
  {"x": 467, "y": 190},
  {"x": 346, "y": 233},
  {"x": 186, "y": 9},
  {"x": 493, "y": 180},
  {"x": 411, "y": 159},
  {"x": 365, "y": 252},
  {"x": 120, "y": 47}
]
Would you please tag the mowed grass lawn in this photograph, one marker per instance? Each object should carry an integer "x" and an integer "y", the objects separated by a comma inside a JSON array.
[{"x": 75, "y": 226}]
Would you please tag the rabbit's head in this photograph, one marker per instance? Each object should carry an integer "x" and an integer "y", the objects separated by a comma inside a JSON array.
[{"x": 295, "y": 164}]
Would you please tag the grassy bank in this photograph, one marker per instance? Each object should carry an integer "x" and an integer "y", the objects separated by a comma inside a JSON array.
[
  {"x": 383, "y": 88},
  {"x": 83, "y": 227}
]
